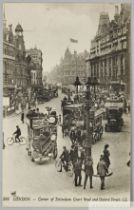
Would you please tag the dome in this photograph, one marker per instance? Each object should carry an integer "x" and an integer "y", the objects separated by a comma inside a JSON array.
[{"x": 18, "y": 28}]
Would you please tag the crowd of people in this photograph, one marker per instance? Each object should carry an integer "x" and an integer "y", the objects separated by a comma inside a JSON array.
[{"x": 76, "y": 157}]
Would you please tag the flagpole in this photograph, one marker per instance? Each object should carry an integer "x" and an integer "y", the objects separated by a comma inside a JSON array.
[{"x": 75, "y": 54}]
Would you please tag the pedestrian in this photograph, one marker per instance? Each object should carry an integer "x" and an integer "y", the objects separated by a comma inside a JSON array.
[
  {"x": 22, "y": 117},
  {"x": 65, "y": 158},
  {"x": 78, "y": 136},
  {"x": 106, "y": 155},
  {"x": 102, "y": 170},
  {"x": 77, "y": 172},
  {"x": 72, "y": 136},
  {"x": 73, "y": 154},
  {"x": 129, "y": 162},
  {"x": 59, "y": 119},
  {"x": 81, "y": 154},
  {"x": 88, "y": 171}
]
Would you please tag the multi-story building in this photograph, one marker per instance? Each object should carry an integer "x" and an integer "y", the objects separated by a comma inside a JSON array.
[
  {"x": 110, "y": 49},
  {"x": 22, "y": 72},
  {"x": 36, "y": 67},
  {"x": 8, "y": 60},
  {"x": 70, "y": 66}
]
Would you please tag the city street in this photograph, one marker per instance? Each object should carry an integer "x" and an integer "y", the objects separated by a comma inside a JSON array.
[{"x": 44, "y": 179}]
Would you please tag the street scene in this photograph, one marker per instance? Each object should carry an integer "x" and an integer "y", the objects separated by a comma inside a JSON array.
[{"x": 67, "y": 122}]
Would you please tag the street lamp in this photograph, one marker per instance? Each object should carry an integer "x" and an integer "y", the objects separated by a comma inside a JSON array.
[
  {"x": 91, "y": 84},
  {"x": 77, "y": 84},
  {"x": 89, "y": 116}
]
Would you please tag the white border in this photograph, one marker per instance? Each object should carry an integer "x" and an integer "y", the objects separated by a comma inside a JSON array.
[{"x": 1, "y": 84}]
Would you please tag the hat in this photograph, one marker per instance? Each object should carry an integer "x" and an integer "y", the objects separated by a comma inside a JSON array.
[
  {"x": 106, "y": 145},
  {"x": 101, "y": 157}
]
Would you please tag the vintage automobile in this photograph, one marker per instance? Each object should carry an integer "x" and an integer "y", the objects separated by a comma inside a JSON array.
[
  {"x": 42, "y": 137},
  {"x": 114, "y": 111},
  {"x": 46, "y": 94}
]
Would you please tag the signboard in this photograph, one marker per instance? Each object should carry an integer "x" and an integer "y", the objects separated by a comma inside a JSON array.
[{"x": 39, "y": 123}]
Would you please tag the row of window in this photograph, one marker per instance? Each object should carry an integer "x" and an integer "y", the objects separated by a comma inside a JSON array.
[
  {"x": 109, "y": 67},
  {"x": 109, "y": 47},
  {"x": 8, "y": 50}
]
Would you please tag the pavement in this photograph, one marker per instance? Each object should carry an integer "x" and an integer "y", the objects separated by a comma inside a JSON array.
[{"x": 26, "y": 178}]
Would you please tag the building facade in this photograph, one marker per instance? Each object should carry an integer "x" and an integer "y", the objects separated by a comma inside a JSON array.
[
  {"x": 70, "y": 66},
  {"x": 9, "y": 49},
  {"x": 110, "y": 49},
  {"x": 36, "y": 67},
  {"x": 22, "y": 72}
]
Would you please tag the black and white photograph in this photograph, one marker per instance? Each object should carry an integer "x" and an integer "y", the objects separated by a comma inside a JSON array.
[{"x": 66, "y": 105}]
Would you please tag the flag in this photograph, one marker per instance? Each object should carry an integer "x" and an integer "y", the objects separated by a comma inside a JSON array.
[{"x": 73, "y": 40}]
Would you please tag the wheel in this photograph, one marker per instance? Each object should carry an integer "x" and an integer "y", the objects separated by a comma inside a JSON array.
[
  {"x": 55, "y": 153},
  {"x": 22, "y": 140},
  {"x": 10, "y": 140}
]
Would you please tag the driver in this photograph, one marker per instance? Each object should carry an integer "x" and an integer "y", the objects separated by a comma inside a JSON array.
[{"x": 18, "y": 134}]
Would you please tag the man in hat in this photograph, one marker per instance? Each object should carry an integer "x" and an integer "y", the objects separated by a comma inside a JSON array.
[
  {"x": 77, "y": 172},
  {"x": 88, "y": 171},
  {"x": 65, "y": 158},
  {"x": 102, "y": 170},
  {"x": 106, "y": 155}
]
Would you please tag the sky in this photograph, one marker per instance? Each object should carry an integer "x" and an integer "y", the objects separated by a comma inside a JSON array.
[{"x": 49, "y": 27}]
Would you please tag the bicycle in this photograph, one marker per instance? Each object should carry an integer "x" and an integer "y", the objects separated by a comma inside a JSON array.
[
  {"x": 11, "y": 140},
  {"x": 59, "y": 164}
]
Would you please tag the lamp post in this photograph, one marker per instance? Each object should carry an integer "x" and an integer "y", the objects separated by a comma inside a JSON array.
[
  {"x": 77, "y": 84},
  {"x": 89, "y": 112}
]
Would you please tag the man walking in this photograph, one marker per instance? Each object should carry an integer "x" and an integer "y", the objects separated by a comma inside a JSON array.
[
  {"x": 106, "y": 155},
  {"x": 102, "y": 170},
  {"x": 22, "y": 117},
  {"x": 77, "y": 172},
  {"x": 88, "y": 171},
  {"x": 65, "y": 158}
]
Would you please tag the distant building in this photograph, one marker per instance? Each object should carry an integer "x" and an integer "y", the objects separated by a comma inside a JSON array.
[
  {"x": 36, "y": 67},
  {"x": 110, "y": 49},
  {"x": 70, "y": 66}
]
